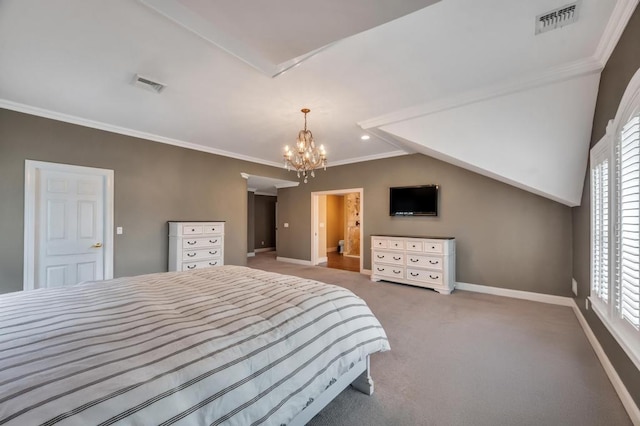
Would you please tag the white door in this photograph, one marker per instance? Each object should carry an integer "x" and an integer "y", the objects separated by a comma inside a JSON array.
[
  {"x": 69, "y": 228},
  {"x": 68, "y": 224}
]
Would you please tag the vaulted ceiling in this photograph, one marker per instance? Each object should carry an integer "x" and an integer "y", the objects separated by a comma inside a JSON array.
[{"x": 465, "y": 81}]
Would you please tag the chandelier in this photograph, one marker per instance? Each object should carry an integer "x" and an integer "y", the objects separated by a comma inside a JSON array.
[{"x": 305, "y": 157}]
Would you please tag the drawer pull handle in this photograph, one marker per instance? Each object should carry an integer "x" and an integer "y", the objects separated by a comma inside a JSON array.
[
  {"x": 193, "y": 230},
  {"x": 433, "y": 278},
  {"x": 213, "y": 241},
  {"x": 191, "y": 254},
  {"x": 213, "y": 252},
  {"x": 434, "y": 263},
  {"x": 191, "y": 242},
  {"x": 213, "y": 264},
  {"x": 396, "y": 272},
  {"x": 396, "y": 258},
  {"x": 414, "y": 275},
  {"x": 433, "y": 247},
  {"x": 380, "y": 269},
  {"x": 414, "y": 260},
  {"x": 191, "y": 266},
  {"x": 380, "y": 257}
]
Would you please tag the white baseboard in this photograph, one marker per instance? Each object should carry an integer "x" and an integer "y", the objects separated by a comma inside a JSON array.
[
  {"x": 629, "y": 404},
  {"x": 323, "y": 259},
  {"x": 260, "y": 250},
  {"x": 330, "y": 249},
  {"x": 366, "y": 271},
  {"x": 351, "y": 255},
  {"x": 251, "y": 254},
  {"x": 625, "y": 397},
  {"x": 296, "y": 261},
  {"x": 516, "y": 294}
]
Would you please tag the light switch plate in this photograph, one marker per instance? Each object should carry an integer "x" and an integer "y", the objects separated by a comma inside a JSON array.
[{"x": 119, "y": 230}]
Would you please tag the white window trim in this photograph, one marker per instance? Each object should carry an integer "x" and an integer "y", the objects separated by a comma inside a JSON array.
[
  {"x": 627, "y": 337},
  {"x": 601, "y": 152}
]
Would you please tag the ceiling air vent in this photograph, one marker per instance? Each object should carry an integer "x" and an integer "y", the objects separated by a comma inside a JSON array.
[
  {"x": 557, "y": 18},
  {"x": 148, "y": 84}
]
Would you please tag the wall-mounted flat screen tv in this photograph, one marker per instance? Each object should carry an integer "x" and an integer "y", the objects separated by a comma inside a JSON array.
[{"x": 414, "y": 200}]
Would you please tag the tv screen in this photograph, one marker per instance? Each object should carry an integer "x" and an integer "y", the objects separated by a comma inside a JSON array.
[{"x": 413, "y": 201}]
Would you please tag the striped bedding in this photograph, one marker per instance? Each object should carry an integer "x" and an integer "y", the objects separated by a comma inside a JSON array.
[{"x": 226, "y": 345}]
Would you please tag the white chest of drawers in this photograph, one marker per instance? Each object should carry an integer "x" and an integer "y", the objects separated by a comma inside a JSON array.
[
  {"x": 423, "y": 262},
  {"x": 195, "y": 245}
]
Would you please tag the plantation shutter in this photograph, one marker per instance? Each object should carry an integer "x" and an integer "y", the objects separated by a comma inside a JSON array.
[
  {"x": 600, "y": 221},
  {"x": 627, "y": 301},
  {"x": 600, "y": 226}
]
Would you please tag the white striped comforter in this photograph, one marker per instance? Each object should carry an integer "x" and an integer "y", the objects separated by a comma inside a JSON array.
[{"x": 226, "y": 345}]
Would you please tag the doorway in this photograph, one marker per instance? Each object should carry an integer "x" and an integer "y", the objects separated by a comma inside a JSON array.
[
  {"x": 341, "y": 249},
  {"x": 68, "y": 224},
  {"x": 262, "y": 212}
]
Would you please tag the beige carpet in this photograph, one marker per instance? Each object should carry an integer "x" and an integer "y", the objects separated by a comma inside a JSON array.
[{"x": 469, "y": 359}]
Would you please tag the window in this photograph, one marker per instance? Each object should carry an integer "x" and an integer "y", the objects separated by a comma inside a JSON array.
[
  {"x": 615, "y": 224},
  {"x": 628, "y": 225}
]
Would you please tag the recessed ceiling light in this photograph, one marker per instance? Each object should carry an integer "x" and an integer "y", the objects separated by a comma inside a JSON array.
[{"x": 365, "y": 137}]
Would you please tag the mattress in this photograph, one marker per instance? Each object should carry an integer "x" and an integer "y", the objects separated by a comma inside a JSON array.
[{"x": 226, "y": 345}]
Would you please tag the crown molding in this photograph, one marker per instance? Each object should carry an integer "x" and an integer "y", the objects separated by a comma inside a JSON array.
[
  {"x": 45, "y": 113},
  {"x": 41, "y": 112},
  {"x": 486, "y": 172},
  {"x": 530, "y": 81},
  {"x": 367, "y": 158},
  {"x": 618, "y": 21},
  {"x": 387, "y": 138},
  {"x": 287, "y": 185}
]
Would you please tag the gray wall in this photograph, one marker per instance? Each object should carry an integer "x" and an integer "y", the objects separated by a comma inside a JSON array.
[
  {"x": 265, "y": 221},
  {"x": 622, "y": 65},
  {"x": 505, "y": 237},
  {"x": 154, "y": 183}
]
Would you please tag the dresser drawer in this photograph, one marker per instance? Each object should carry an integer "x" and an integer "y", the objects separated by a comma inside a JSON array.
[
  {"x": 388, "y": 257},
  {"x": 213, "y": 228},
  {"x": 389, "y": 271},
  {"x": 379, "y": 243},
  {"x": 421, "y": 275},
  {"x": 396, "y": 244},
  {"x": 191, "y": 255},
  {"x": 433, "y": 247},
  {"x": 414, "y": 245},
  {"x": 431, "y": 262},
  {"x": 192, "y": 229},
  {"x": 193, "y": 243},
  {"x": 189, "y": 266}
]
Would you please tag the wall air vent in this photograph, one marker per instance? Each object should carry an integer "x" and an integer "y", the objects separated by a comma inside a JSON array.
[
  {"x": 148, "y": 84},
  {"x": 557, "y": 18}
]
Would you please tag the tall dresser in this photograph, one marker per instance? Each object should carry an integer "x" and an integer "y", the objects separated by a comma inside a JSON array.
[
  {"x": 420, "y": 261},
  {"x": 195, "y": 245}
]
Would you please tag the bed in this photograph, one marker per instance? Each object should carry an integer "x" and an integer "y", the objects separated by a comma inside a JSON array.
[{"x": 225, "y": 345}]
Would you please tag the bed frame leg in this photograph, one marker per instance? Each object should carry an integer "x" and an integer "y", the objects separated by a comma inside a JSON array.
[{"x": 364, "y": 382}]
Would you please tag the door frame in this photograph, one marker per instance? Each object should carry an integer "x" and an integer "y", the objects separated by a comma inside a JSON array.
[
  {"x": 314, "y": 221},
  {"x": 31, "y": 169}
]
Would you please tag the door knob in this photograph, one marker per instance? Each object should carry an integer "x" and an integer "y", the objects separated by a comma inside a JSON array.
[{"x": 96, "y": 245}]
